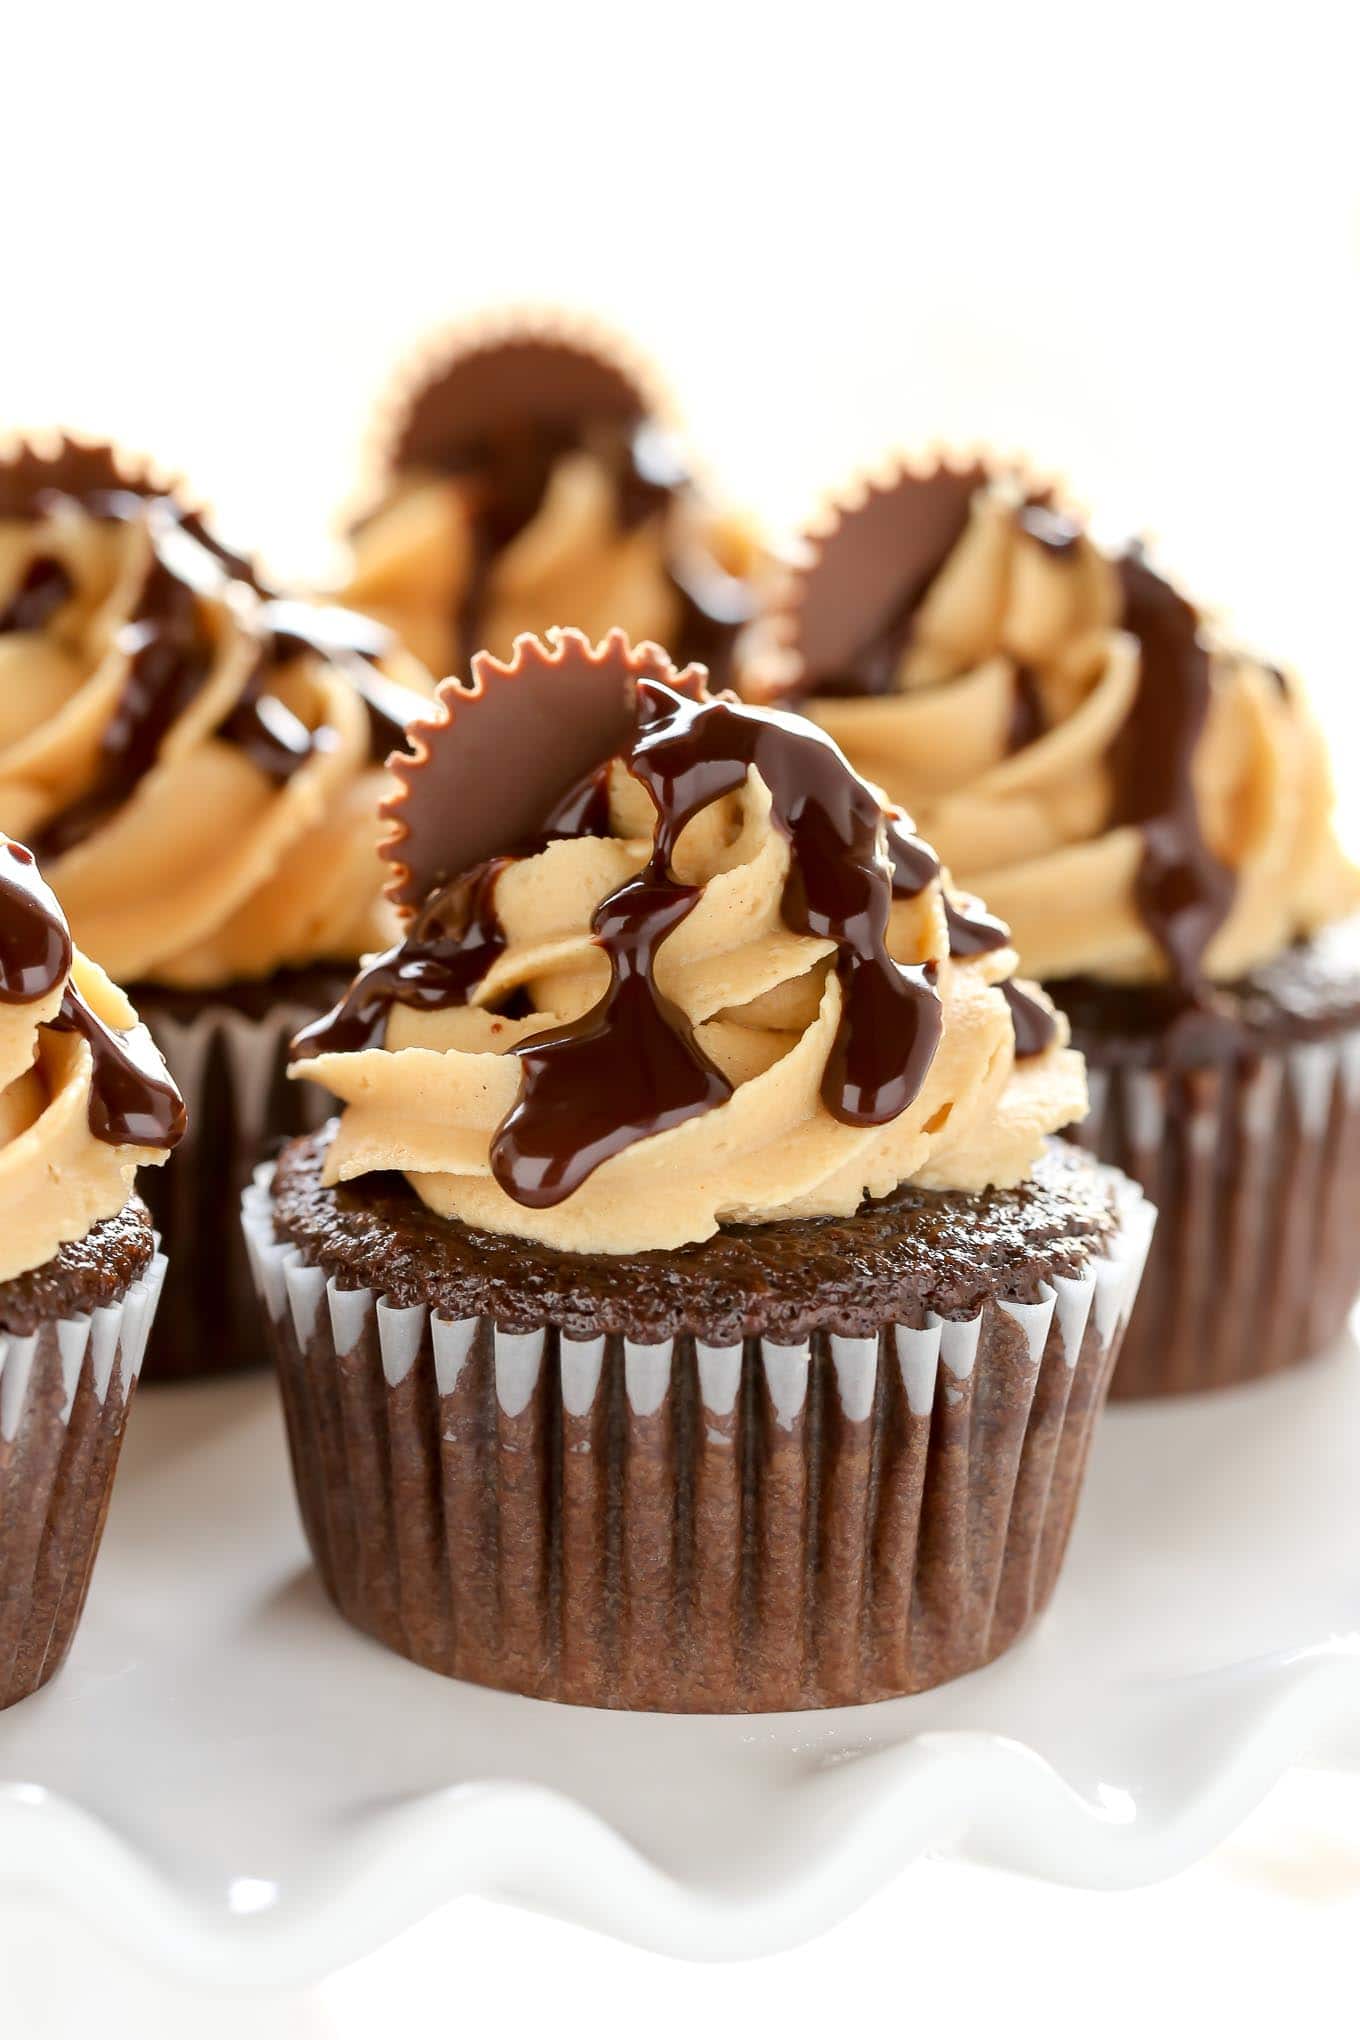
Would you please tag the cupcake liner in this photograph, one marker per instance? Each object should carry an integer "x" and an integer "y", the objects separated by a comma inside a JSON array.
[
  {"x": 64, "y": 1395},
  {"x": 685, "y": 1526},
  {"x": 1255, "y": 1168},
  {"x": 231, "y": 1070}
]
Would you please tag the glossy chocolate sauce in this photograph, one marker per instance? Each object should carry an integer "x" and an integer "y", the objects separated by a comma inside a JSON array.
[
  {"x": 453, "y": 942},
  {"x": 1036, "y": 1029},
  {"x": 35, "y": 942},
  {"x": 914, "y": 867},
  {"x": 974, "y": 934},
  {"x": 345, "y": 638},
  {"x": 1028, "y": 720},
  {"x": 171, "y": 653},
  {"x": 507, "y": 474},
  {"x": 448, "y": 952},
  {"x": 631, "y": 1066},
  {"x": 45, "y": 587},
  {"x": 1183, "y": 893},
  {"x": 169, "y": 659},
  {"x": 132, "y": 1101}
]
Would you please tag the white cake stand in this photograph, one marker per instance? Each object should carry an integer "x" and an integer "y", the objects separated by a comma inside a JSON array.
[{"x": 245, "y": 1794}]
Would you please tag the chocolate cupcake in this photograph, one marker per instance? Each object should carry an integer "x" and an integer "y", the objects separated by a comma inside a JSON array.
[
  {"x": 84, "y": 1099},
  {"x": 687, "y": 1310},
  {"x": 528, "y": 476},
  {"x": 195, "y": 760},
  {"x": 1149, "y": 811}
]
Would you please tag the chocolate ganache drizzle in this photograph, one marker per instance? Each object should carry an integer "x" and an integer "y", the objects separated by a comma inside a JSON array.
[
  {"x": 630, "y": 1067},
  {"x": 132, "y": 1101},
  {"x": 170, "y": 645},
  {"x": 41, "y": 593},
  {"x": 959, "y": 583},
  {"x": 1183, "y": 892},
  {"x": 914, "y": 867}
]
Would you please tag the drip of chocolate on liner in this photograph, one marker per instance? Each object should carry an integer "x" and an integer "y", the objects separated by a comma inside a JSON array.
[
  {"x": 1182, "y": 891},
  {"x": 45, "y": 587},
  {"x": 35, "y": 941},
  {"x": 631, "y": 1067}
]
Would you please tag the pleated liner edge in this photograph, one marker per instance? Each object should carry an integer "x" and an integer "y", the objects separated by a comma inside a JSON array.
[{"x": 689, "y": 1527}]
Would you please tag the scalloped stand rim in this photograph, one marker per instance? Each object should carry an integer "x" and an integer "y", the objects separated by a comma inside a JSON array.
[{"x": 259, "y": 1830}]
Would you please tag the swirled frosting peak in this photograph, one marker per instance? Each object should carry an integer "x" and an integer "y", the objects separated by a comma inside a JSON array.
[
  {"x": 1137, "y": 799},
  {"x": 669, "y": 962},
  {"x": 192, "y": 756},
  {"x": 531, "y": 481},
  {"x": 84, "y": 1095}
]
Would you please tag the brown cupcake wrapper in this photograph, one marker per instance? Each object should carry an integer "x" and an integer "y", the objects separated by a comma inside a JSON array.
[
  {"x": 64, "y": 1396},
  {"x": 684, "y": 1526},
  {"x": 1255, "y": 1170},
  {"x": 231, "y": 1069}
]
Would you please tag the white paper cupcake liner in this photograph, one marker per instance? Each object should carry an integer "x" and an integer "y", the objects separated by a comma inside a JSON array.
[
  {"x": 1255, "y": 1169},
  {"x": 64, "y": 1396},
  {"x": 687, "y": 1526},
  {"x": 231, "y": 1071}
]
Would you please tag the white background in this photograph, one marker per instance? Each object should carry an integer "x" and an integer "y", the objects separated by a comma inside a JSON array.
[{"x": 1125, "y": 239}]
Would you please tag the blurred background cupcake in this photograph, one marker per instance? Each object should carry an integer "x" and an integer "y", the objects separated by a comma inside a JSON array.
[
  {"x": 197, "y": 763},
  {"x": 84, "y": 1101},
  {"x": 530, "y": 475},
  {"x": 687, "y": 1310},
  {"x": 1149, "y": 811}
]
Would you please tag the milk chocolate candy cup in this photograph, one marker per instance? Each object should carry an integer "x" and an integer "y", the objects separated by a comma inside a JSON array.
[
  {"x": 688, "y": 1523},
  {"x": 1250, "y": 1148},
  {"x": 228, "y": 1053},
  {"x": 66, "y": 1382}
]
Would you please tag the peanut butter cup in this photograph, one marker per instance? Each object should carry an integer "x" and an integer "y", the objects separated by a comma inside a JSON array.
[
  {"x": 1148, "y": 809},
  {"x": 707, "y": 1321},
  {"x": 530, "y": 477}
]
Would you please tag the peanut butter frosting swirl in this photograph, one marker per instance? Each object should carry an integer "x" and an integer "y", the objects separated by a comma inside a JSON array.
[
  {"x": 672, "y": 964},
  {"x": 194, "y": 758},
  {"x": 84, "y": 1095},
  {"x": 530, "y": 481},
  {"x": 1137, "y": 799}
]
